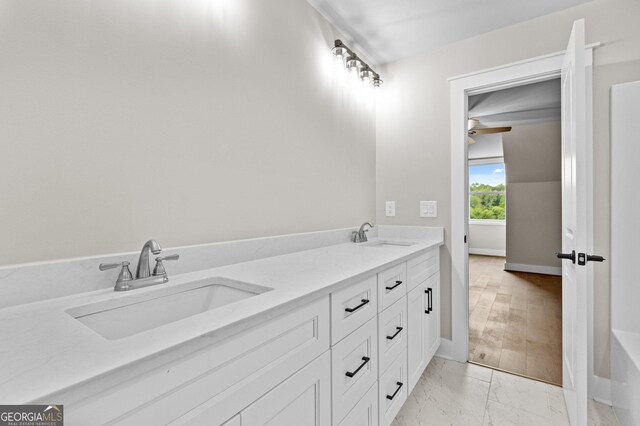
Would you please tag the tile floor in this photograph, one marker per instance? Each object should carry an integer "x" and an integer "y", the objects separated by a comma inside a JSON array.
[
  {"x": 452, "y": 393},
  {"x": 515, "y": 320}
]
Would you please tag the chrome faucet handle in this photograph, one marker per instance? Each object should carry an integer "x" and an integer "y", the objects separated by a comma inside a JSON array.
[
  {"x": 159, "y": 270},
  {"x": 125, "y": 276}
]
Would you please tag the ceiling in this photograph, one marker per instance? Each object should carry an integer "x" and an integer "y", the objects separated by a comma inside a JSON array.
[
  {"x": 387, "y": 30},
  {"x": 516, "y": 106},
  {"x": 528, "y": 104}
]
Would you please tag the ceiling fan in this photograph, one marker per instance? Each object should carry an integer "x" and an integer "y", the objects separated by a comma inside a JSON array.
[{"x": 471, "y": 130}]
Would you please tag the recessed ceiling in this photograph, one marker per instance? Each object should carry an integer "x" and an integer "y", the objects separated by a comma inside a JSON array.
[{"x": 387, "y": 30}]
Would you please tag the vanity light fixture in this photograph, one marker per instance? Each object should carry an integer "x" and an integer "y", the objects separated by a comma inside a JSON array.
[{"x": 354, "y": 64}]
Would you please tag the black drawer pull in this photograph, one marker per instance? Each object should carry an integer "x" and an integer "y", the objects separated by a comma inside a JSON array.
[
  {"x": 365, "y": 360},
  {"x": 428, "y": 293},
  {"x": 390, "y": 397},
  {"x": 394, "y": 286},
  {"x": 398, "y": 330},
  {"x": 364, "y": 302}
]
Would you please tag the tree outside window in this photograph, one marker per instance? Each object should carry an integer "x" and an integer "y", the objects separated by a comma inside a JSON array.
[{"x": 487, "y": 196}]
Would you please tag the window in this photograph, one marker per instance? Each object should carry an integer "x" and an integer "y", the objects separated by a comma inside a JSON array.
[{"x": 487, "y": 197}]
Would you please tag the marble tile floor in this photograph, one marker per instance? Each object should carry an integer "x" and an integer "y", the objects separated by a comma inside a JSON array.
[
  {"x": 453, "y": 393},
  {"x": 515, "y": 320}
]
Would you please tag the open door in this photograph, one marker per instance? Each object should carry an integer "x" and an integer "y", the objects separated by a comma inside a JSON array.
[{"x": 574, "y": 227}]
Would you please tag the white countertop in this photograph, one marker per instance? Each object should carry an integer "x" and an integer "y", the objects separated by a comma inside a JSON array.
[{"x": 45, "y": 350}]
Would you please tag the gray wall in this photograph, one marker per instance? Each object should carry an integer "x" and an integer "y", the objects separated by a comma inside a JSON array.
[
  {"x": 185, "y": 121},
  {"x": 487, "y": 239},
  {"x": 413, "y": 153},
  {"x": 532, "y": 155}
]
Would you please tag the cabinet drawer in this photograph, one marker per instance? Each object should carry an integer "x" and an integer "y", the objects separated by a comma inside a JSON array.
[
  {"x": 222, "y": 378},
  {"x": 392, "y": 333},
  {"x": 422, "y": 267},
  {"x": 365, "y": 413},
  {"x": 354, "y": 365},
  {"x": 351, "y": 307},
  {"x": 392, "y": 285},
  {"x": 393, "y": 390}
]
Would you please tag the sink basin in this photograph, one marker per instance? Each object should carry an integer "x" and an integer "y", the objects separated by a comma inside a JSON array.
[
  {"x": 118, "y": 318},
  {"x": 388, "y": 243}
]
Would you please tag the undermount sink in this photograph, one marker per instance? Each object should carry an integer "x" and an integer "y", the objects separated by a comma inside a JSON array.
[
  {"x": 115, "y": 319},
  {"x": 388, "y": 243}
]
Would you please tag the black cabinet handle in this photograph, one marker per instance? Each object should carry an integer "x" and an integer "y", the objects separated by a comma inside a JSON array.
[
  {"x": 364, "y": 302},
  {"x": 390, "y": 397},
  {"x": 392, "y": 287},
  {"x": 398, "y": 330},
  {"x": 353, "y": 373},
  {"x": 430, "y": 300},
  {"x": 428, "y": 293}
]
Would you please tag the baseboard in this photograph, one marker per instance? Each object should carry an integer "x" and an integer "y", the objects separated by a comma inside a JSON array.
[
  {"x": 534, "y": 269},
  {"x": 446, "y": 349},
  {"x": 601, "y": 390},
  {"x": 487, "y": 252}
]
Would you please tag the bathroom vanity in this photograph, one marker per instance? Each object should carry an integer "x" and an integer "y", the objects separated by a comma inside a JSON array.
[{"x": 336, "y": 335}]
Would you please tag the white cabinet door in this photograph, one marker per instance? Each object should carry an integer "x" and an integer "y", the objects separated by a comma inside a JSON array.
[
  {"x": 303, "y": 399},
  {"x": 417, "y": 333},
  {"x": 423, "y": 313},
  {"x": 432, "y": 340}
]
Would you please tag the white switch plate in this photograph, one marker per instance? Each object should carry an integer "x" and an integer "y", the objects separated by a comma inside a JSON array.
[
  {"x": 428, "y": 209},
  {"x": 390, "y": 208}
]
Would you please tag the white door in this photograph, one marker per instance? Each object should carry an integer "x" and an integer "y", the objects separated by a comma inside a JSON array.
[
  {"x": 574, "y": 227},
  {"x": 303, "y": 399},
  {"x": 417, "y": 306}
]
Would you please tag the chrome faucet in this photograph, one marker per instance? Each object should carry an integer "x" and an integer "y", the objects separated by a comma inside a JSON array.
[
  {"x": 144, "y": 270},
  {"x": 143, "y": 277},
  {"x": 360, "y": 236}
]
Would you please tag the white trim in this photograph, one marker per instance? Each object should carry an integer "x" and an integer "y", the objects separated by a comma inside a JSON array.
[
  {"x": 487, "y": 252},
  {"x": 488, "y": 222},
  {"x": 510, "y": 75},
  {"x": 524, "y": 61},
  {"x": 534, "y": 269}
]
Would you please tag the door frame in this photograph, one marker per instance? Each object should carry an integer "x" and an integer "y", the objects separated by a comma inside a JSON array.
[{"x": 460, "y": 87}]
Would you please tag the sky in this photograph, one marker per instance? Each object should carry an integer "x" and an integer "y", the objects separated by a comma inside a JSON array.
[{"x": 490, "y": 174}]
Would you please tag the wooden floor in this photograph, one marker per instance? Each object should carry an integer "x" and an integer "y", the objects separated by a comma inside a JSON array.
[{"x": 515, "y": 320}]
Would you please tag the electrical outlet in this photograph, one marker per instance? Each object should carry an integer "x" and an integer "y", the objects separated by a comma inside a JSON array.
[
  {"x": 428, "y": 209},
  {"x": 390, "y": 208}
]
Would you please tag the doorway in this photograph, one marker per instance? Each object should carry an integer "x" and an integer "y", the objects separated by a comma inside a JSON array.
[
  {"x": 574, "y": 66},
  {"x": 515, "y": 225}
]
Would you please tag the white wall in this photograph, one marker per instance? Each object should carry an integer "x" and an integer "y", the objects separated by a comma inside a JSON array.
[
  {"x": 489, "y": 239},
  {"x": 184, "y": 121},
  {"x": 413, "y": 153}
]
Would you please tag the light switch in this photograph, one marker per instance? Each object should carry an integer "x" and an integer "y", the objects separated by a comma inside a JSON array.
[
  {"x": 390, "y": 208},
  {"x": 428, "y": 209}
]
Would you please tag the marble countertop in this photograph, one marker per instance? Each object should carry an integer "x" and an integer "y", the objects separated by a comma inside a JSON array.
[{"x": 45, "y": 350}]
